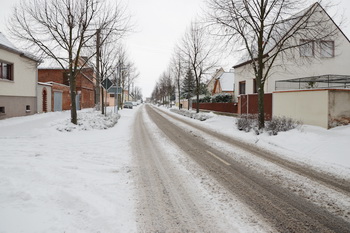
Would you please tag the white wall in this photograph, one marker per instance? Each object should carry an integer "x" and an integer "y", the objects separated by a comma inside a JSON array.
[
  {"x": 40, "y": 97},
  {"x": 339, "y": 107},
  {"x": 24, "y": 78},
  {"x": 308, "y": 106}
]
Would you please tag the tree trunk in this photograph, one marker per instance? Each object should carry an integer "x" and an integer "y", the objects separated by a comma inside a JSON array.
[
  {"x": 73, "y": 94},
  {"x": 261, "y": 115},
  {"x": 178, "y": 88},
  {"x": 102, "y": 102},
  {"x": 98, "y": 88},
  {"x": 197, "y": 93},
  {"x": 197, "y": 104},
  {"x": 260, "y": 69}
]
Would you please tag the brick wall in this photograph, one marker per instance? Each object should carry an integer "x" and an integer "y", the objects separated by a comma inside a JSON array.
[
  {"x": 84, "y": 85},
  {"x": 51, "y": 75}
]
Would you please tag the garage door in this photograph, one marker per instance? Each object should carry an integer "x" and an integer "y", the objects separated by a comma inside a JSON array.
[{"x": 57, "y": 101}]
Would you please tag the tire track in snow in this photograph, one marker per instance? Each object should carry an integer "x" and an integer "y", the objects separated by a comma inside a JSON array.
[{"x": 286, "y": 211}]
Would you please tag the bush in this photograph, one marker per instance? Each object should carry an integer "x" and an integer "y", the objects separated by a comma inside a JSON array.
[
  {"x": 247, "y": 122},
  {"x": 277, "y": 124},
  {"x": 205, "y": 99},
  {"x": 222, "y": 98},
  {"x": 280, "y": 124}
]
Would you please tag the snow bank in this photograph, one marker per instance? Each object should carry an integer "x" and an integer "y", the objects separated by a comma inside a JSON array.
[
  {"x": 192, "y": 114},
  {"x": 88, "y": 121}
]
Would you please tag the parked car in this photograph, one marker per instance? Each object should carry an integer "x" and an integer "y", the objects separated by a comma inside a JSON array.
[
  {"x": 128, "y": 105},
  {"x": 134, "y": 103}
]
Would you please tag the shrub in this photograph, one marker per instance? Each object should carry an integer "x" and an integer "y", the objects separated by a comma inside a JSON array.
[
  {"x": 221, "y": 98},
  {"x": 277, "y": 124},
  {"x": 205, "y": 99},
  {"x": 247, "y": 122},
  {"x": 280, "y": 124}
]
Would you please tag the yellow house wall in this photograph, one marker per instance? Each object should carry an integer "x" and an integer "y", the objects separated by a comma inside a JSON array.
[
  {"x": 309, "y": 107},
  {"x": 24, "y": 77}
]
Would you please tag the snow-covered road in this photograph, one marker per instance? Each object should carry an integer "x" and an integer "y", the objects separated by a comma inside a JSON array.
[
  {"x": 276, "y": 189},
  {"x": 90, "y": 180}
]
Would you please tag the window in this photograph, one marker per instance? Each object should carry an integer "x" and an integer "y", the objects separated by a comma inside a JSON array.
[
  {"x": 306, "y": 48},
  {"x": 6, "y": 71},
  {"x": 327, "y": 48},
  {"x": 2, "y": 110},
  {"x": 242, "y": 88},
  {"x": 27, "y": 108}
]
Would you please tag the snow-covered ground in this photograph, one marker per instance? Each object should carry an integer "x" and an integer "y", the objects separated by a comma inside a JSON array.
[
  {"x": 60, "y": 181},
  {"x": 57, "y": 178},
  {"x": 324, "y": 149}
]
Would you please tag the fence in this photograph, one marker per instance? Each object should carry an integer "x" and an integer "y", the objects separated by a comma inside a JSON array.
[
  {"x": 248, "y": 104},
  {"x": 218, "y": 107}
]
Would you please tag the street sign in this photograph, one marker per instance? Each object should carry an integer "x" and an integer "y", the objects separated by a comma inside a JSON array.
[
  {"x": 106, "y": 83},
  {"x": 113, "y": 90}
]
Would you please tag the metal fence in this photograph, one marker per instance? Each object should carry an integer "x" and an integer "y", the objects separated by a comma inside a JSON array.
[{"x": 315, "y": 82}]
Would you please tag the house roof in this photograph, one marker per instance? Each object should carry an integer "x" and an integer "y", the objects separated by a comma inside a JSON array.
[
  {"x": 7, "y": 45},
  {"x": 281, "y": 32},
  {"x": 50, "y": 64},
  {"x": 227, "y": 80}
]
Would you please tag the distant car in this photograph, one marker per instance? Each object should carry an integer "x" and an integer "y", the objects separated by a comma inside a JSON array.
[
  {"x": 128, "y": 105},
  {"x": 134, "y": 103}
]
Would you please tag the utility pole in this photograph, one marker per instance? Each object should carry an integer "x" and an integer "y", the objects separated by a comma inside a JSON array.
[
  {"x": 97, "y": 88},
  {"x": 116, "y": 107}
]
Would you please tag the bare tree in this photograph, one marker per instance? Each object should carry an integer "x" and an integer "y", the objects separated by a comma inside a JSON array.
[
  {"x": 198, "y": 53},
  {"x": 61, "y": 29},
  {"x": 128, "y": 74},
  {"x": 268, "y": 29},
  {"x": 108, "y": 65},
  {"x": 177, "y": 71},
  {"x": 164, "y": 89}
]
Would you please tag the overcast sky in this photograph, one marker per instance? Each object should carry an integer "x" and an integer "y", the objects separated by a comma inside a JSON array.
[{"x": 160, "y": 24}]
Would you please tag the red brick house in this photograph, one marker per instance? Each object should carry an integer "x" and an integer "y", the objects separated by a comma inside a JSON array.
[{"x": 58, "y": 77}]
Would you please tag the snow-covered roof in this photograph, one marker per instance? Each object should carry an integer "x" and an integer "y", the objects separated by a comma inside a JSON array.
[
  {"x": 5, "y": 42},
  {"x": 49, "y": 63},
  {"x": 7, "y": 45},
  {"x": 227, "y": 80}
]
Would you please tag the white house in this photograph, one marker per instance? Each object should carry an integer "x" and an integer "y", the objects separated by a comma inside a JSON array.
[
  {"x": 316, "y": 65},
  {"x": 325, "y": 57},
  {"x": 18, "y": 81}
]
